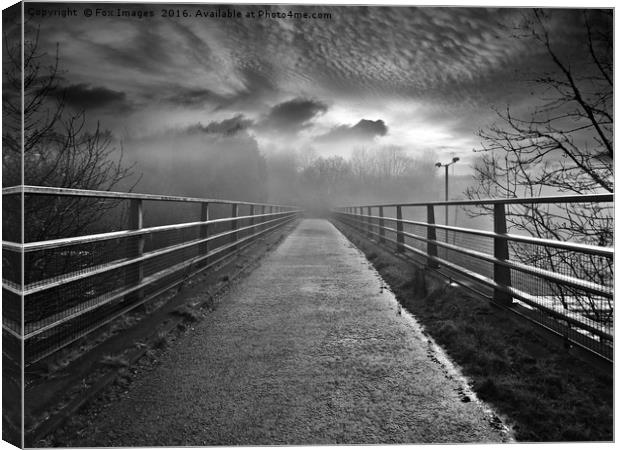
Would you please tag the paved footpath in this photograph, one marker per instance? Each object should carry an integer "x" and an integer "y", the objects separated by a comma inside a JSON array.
[{"x": 308, "y": 349}]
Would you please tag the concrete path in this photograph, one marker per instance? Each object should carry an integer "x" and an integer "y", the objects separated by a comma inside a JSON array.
[{"x": 309, "y": 349}]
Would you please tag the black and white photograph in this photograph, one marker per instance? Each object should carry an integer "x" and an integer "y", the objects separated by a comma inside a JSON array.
[{"x": 307, "y": 224}]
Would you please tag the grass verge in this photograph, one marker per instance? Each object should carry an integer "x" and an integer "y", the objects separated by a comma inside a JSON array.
[{"x": 545, "y": 393}]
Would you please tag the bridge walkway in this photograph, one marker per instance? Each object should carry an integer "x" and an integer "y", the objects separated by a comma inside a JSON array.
[{"x": 310, "y": 348}]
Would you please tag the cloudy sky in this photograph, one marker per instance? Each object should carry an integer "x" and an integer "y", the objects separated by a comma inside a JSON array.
[{"x": 421, "y": 78}]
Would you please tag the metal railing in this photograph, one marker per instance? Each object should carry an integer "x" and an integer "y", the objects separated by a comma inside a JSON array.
[
  {"x": 74, "y": 284},
  {"x": 565, "y": 286}
]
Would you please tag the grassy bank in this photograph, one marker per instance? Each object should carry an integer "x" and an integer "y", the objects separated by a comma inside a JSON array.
[{"x": 544, "y": 393}]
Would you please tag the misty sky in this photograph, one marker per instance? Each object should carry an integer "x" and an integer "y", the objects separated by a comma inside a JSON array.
[{"x": 421, "y": 78}]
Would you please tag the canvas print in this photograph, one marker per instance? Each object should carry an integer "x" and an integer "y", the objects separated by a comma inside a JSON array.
[{"x": 299, "y": 224}]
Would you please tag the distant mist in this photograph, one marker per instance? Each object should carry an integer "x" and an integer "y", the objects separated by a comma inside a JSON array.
[
  {"x": 201, "y": 164},
  {"x": 224, "y": 160}
]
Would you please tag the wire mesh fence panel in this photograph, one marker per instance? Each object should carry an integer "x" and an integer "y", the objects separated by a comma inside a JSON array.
[
  {"x": 12, "y": 266},
  {"x": 245, "y": 224},
  {"x": 57, "y": 337},
  {"x": 417, "y": 230},
  {"x": 47, "y": 217},
  {"x": 12, "y": 349},
  {"x": 55, "y": 303},
  {"x": 390, "y": 233},
  {"x": 167, "y": 238},
  {"x": 47, "y": 265},
  {"x": 577, "y": 285},
  {"x": 157, "y": 213},
  {"x": 12, "y": 311},
  {"x": 12, "y": 218},
  {"x": 467, "y": 241}
]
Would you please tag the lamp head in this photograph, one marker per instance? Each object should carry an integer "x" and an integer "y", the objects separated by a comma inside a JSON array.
[
  {"x": 455, "y": 159},
  {"x": 438, "y": 164}
]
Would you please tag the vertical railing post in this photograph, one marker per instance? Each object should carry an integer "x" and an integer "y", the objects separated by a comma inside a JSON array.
[
  {"x": 234, "y": 224},
  {"x": 400, "y": 238},
  {"x": 501, "y": 273},
  {"x": 136, "y": 249},
  {"x": 203, "y": 249},
  {"x": 263, "y": 211},
  {"x": 252, "y": 220},
  {"x": 431, "y": 235},
  {"x": 381, "y": 226},
  {"x": 360, "y": 218},
  {"x": 369, "y": 220}
]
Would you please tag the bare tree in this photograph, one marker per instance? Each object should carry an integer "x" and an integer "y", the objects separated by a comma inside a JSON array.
[
  {"x": 326, "y": 175},
  {"x": 362, "y": 163},
  {"x": 58, "y": 150},
  {"x": 565, "y": 145},
  {"x": 381, "y": 163},
  {"x": 393, "y": 162},
  {"x": 55, "y": 149}
]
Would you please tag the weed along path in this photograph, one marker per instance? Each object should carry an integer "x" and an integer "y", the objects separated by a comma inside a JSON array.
[{"x": 310, "y": 348}]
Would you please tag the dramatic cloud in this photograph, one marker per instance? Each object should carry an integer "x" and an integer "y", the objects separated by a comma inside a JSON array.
[
  {"x": 388, "y": 62},
  {"x": 364, "y": 130},
  {"x": 193, "y": 97},
  {"x": 293, "y": 115},
  {"x": 87, "y": 97},
  {"x": 227, "y": 127}
]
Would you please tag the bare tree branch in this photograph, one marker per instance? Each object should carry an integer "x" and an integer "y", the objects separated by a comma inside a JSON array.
[{"x": 563, "y": 145}]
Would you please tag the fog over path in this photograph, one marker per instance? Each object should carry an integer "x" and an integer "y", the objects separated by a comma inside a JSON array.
[{"x": 308, "y": 349}]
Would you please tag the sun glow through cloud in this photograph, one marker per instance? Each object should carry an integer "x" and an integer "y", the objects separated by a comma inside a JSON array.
[{"x": 424, "y": 79}]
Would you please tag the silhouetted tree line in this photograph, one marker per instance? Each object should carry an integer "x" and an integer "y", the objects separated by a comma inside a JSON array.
[{"x": 370, "y": 175}]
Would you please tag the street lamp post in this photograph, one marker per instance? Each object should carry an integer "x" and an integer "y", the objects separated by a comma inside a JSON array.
[{"x": 455, "y": 159}]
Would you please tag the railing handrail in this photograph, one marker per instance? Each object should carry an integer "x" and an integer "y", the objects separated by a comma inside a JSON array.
[
  {"x": 566, "y": 245},
  {"x": 57, "y": 191},
  {"x": 81, "y": 274},
  {"x": 122, "y": 234},
  {"x": 575, "y": 282},
  {"x": 595, "y": 198}
]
